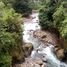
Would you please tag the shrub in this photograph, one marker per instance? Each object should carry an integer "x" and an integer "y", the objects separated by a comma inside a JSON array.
[{"x": 10, "y": 35}]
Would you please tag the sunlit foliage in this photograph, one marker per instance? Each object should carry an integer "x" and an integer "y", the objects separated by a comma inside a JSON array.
[{"x": 10, "y": 35}]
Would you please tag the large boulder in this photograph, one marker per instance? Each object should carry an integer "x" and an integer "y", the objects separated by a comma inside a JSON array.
[
  {"x": 60, "y": 53},
  {"x": 27, "y": 47},
  {"x": 46, "y": 36},
  {"x": 38, "y": 61}
]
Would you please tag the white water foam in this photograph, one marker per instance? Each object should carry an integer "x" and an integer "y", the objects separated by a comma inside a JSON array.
[
  {"x": 48, "y": 54},
  {"x": 30, "y": 27}
]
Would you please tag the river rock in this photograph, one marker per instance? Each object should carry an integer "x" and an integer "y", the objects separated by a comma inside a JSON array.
[
  {"x": 29, "y": 62},
  {"x": 44, "y": 65},
  {"x": 36, "y": 65},
  {"x": 27, "y": 47},
  {"x": 46, "y": 36},
  {"x": 38, "y": 61},
  {"x": 17, "y": 65},
  {"x": 17, "y": 56},
  {"x": 60, "y": 53}
]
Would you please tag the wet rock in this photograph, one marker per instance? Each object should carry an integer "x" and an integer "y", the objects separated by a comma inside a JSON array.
[
  {"x": 60, "y": 53},
  {"x": 36, "y": 65},
  {"x": 17, "y": 56},
  {"x": 46, "y": 36},
  {"x": 44, "y": 65},
  {"x": 57, "y": 48},
  {"x": 29, "y": 62},
  {"x": 27, "y": 49},
  {"x": 39, "y": 61},
  {"x": 17, "y": 65}
]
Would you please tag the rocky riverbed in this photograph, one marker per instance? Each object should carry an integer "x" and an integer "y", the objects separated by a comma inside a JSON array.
[{"x": 31, "y": 27}]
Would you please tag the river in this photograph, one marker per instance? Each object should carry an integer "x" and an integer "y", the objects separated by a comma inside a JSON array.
[{"x": 45, "y": 53}]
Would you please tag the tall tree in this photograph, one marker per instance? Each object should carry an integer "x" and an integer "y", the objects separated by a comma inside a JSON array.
[
  {"x": 22, "y": 6},
  {"x": 10, "y": 36}
]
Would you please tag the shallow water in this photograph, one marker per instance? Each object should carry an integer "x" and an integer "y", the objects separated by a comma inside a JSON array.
[{"x": 46, "y": 53}]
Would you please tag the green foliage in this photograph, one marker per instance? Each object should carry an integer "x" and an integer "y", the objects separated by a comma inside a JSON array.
[
  {"x": 22, "y": 6},
  {"x": 5, "y": 59},
  {"x": 46, "y": 15},
  {"x": 10, "y": 32},
  {"x": 54, "y": 16},
  {"x": 60, "y": 19},
  {"x": 35, "y": 6}
]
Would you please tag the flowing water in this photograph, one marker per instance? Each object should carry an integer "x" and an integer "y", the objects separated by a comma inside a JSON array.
[{"x": 46, "y": 53}]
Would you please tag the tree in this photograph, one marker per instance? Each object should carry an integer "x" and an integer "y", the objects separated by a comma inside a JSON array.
[
  {"x": 10, "y": 36},
  {"x": 60, "y": 20},
  {"x": 22, "y": 6},
  {"x": 46, "y": 19}
]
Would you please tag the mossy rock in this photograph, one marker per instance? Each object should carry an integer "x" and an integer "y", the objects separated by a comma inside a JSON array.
[
  {"x": 18, "y": 56},
  {"x": 27, "y": 47}
]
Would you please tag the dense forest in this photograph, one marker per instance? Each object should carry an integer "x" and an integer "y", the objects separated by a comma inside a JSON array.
[
  {"x": 52, "y": 17},
  {"x": 10, "y": 32}
]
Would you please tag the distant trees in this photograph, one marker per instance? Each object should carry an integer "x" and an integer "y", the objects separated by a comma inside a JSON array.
[{"x": 22, "y": 6}]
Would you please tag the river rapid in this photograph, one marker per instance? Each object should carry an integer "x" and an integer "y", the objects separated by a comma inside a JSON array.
[{"x": 45, "y": 53}]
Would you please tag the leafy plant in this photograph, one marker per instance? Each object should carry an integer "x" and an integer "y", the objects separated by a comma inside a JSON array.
[{"x": 10, "y": 36}]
